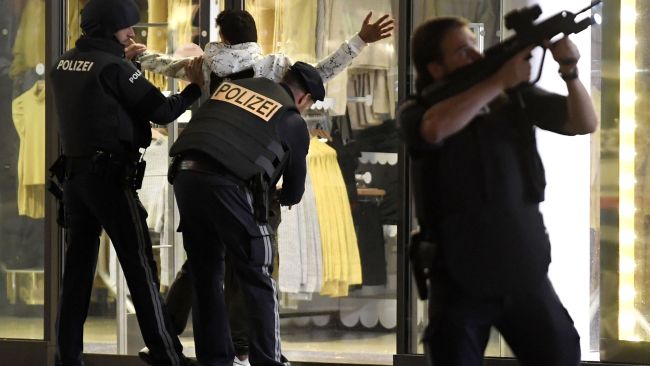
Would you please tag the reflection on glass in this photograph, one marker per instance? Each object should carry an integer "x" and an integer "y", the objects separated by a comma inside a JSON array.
[
  {"x": 337, "y": 249},
  {"x": 22, "y": 165}
]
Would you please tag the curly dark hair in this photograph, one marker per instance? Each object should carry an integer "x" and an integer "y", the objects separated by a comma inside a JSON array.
[
  {"x": 426, "y": 45},
  {"x": 237, "y": 26}
]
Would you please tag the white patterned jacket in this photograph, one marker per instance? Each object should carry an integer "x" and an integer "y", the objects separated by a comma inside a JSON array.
[{"x": 223, "y": 60}]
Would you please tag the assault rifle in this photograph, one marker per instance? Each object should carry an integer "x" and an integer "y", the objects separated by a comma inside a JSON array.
[{"x": 527, "y": 34}]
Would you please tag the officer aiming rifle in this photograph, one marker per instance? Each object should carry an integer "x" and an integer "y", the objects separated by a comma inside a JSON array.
[
  {"x": 423, "y": 249},
  {"x": 527, "y": 34}
]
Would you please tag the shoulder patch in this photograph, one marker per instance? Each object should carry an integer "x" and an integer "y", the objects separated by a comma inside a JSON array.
[{"x": 135, "y": 76}]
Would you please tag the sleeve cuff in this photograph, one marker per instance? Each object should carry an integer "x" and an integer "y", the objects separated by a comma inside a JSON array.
[
  {"x": 191, "y": 92},
  {"x": 356, "y": 43}
]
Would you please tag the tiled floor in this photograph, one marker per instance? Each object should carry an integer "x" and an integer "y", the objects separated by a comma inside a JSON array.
[{"x": 306, "y": 344}]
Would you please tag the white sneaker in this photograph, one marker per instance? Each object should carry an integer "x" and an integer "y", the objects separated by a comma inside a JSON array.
[{"x": 237, "y": 362}]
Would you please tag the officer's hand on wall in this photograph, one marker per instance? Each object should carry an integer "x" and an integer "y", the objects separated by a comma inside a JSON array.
[
  {"x": 373, "y": 32},
  {"x": 194, "y": 71},
  {"x": 134, "y": 49}
]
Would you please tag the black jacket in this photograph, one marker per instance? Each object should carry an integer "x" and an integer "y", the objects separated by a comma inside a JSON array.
[{"x": 105, "y": 103}]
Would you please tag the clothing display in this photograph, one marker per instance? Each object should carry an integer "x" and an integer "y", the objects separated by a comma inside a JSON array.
[
  {"x": 341, "y": 262},
  {"x": 74, "y": 26},
  {"x": 175, "y": 19},
  {"x": 29, "y": 47},
  {"x": 319, "y": 232},
  {"x": 299, "y": 246},
  {"x": 154, "y": 196},
  {"x": 486, "y": 12},
  {"x": 29, "y": 120},
  {"x": 370, "y": 97},
  {"x": 292, "y": 19},
  {"x": 370, "y": 235},
  {"x": 340, "y": 19},
  {"x": 153, "y": 193}
]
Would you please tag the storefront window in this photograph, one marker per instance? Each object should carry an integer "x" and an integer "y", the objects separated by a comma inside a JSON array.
[
  {"x": 22, "y": 168},
  {"x": 338, "y": 248}
]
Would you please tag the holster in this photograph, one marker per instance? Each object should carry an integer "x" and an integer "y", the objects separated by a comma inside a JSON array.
[
  {"x": 138, "y": 174},
  {"x": 424, "y": 256},
  {"x": 260, "y": 190},
  {"x": 55, "y": 186}
]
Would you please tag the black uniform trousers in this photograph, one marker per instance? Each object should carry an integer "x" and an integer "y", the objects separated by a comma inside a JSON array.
[
  {"x": 95, "y": 197},
  {"x": 533, "y": 322},
  {"x": 179, "y": 304},
  {"x": 179, "y": 296},
  {"x": 216, "y": 216}
]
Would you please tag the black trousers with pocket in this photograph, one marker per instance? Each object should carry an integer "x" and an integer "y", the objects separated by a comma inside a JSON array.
[
  {"x": 533, "y": 322},
  {"x": 97, "y": 197},
  {"x": 216, "y": 217}
]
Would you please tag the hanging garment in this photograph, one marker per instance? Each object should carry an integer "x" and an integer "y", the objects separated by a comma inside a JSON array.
[
  {"x": 29, "y": 47},
  {"x": 177, "y": 16},
  {"x": 476, "y": 11},
  {"x": 341, "y": 262},
  {"x": 299, "y": 246},
  {"x": 341, "y": 18},
  {"x": 154, "y": 195},
  {"x": 29, "y": 119},
  {"x": 363, "y": 84},
  {"x": 74, "y": 23}
]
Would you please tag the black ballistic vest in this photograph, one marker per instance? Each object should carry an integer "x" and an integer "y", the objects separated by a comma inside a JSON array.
[
  {"x": 237, "y": 128},
  {"x": 90, "y": 119}
]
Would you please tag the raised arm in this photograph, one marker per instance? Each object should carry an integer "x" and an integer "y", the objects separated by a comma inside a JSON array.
[
  {"x": 581, "y": 116},
  {"x": 451, "y": 115},
  {"x": 164, "y": 64},
  {"x": 336, "y": 62},
  {"x": 157, "y": 62}
]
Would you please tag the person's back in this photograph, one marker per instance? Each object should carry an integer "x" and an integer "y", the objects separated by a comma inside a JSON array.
[
  {"x": 225, "y": 164},
  {"x": 104, "y": 108}
]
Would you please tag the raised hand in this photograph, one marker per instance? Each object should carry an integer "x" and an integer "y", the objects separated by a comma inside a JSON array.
[
  {"x": 134, "y": 49},
  {"x": 373, "y": 32},
  {"x": 194, "y": 70}
]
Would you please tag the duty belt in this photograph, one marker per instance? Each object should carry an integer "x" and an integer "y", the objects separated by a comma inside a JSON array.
[
  {"x": 199, "y": 166},
  {"x": 199, "y": 163}
]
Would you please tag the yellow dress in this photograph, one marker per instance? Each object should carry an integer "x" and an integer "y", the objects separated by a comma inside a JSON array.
[
  {"x": 341, "y": 260},
  {"x": 29, "y": 119},
  {"x": 29, "y": 47},
  {"x": 177, "y": 14}
]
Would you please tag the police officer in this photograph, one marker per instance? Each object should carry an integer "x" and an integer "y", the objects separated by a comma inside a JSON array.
[
  {"x": 104, "y": 106},
  {"x": 478, "y": 181},
  {"x": 227, "y": 161}
]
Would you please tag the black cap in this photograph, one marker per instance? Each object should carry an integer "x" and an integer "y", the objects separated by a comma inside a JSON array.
[
  {"x": 310, "y": 79},
  {"x": 105, "y": 17}
]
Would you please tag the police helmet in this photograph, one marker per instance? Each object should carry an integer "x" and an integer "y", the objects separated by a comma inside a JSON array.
[{"x": 102, "y": 18}]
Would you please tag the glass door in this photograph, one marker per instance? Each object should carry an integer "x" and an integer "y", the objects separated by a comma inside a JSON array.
[{"x": 22, "y": 169}]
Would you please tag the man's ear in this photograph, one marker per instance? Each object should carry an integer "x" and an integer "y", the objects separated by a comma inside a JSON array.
[
  {"x": 300, "y": 101},
  {"x": 435, "y": 70}
]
